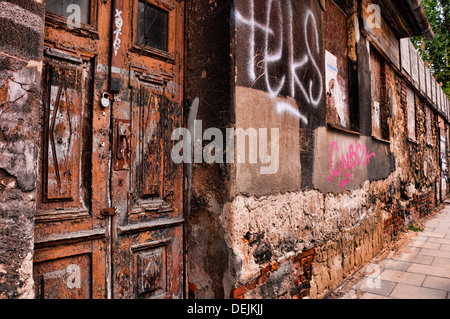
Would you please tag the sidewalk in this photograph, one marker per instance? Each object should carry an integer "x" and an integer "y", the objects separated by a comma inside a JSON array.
[{"x": 419, "y": 269}]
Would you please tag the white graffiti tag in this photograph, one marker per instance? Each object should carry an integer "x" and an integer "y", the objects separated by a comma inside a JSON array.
[
  {"x": 118, "y": 32},
  {"x": 275, "y": 32}
]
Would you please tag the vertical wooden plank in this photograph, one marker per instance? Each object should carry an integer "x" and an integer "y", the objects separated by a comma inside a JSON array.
[
  {"x": 411, "y": 113},
  {"x": 414, "y": 65},
  {"x": 429, "y": 125},
  {"x": 435, "y": 92},
  {"x": 405, "y": 58},
  {"x": 429, "y": 90},
  {"x": 422, "y": 76},
  {"x": 433, "y": 88}
]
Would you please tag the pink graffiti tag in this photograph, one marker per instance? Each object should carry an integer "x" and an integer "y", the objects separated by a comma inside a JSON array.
[{"x": 357, "y": 155}]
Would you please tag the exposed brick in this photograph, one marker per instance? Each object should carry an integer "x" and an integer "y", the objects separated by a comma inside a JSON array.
[
  {"x": 274, "y": 266},
  {"x": 309, "y": 252},
  {"x": 262, "y": 279},
  {"x": 237, "y": 292},
  {"x": 265, "y": 270},
  {"x": 251, "y": 285}
]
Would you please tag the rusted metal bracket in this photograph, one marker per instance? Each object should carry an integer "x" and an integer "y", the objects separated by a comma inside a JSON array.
[{"x": 108, "y": 212}]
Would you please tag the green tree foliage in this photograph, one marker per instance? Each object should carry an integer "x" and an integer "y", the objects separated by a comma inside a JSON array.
[{"x": 436, "y": 53}]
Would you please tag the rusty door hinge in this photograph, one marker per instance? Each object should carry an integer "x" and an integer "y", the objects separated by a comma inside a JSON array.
[{"x": 108, "y": 212}]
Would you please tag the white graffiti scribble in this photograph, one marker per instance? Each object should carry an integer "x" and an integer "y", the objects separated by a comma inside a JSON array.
[
  {"x": 273, "y": 49},
  {"x": 276, "y": 56},
  {"x": 118, "y": 32},
  {"x": 284, "y": 107}
]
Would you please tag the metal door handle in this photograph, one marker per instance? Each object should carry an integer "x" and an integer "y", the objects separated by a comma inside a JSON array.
[{"x": 122, "y": 142}]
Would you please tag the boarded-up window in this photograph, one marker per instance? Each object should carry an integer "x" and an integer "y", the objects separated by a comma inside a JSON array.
[
  {"x": 411, "y": 113},
  {"x": 414, "y": 56},
  {"x": 428, "y": 76},
  {"x": 404, "y": 49},
  {"x": 337, "y": 67},
  {"x": 375, "y": 74},
  {"x": 422, "y": 76},
  {"x": 429, "y": 127}
]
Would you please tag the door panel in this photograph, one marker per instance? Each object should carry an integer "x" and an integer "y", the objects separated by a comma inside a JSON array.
[
  {"x": 66, "y": 133},
  {"x": 64, "y": 278},
  {"x": 110, "y": 211},
  {"x": 68, "y": 237},
  {"x": 70, "y": 253},
  {"x": 148, "y": 190}
]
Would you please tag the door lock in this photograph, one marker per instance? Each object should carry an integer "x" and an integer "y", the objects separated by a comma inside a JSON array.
[
  {"x": 122, "y": 145},
  {"x": 105, "y": 100},
  {"x": 108, "y": 212}
]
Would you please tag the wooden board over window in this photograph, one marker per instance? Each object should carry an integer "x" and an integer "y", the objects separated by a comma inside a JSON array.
[
  {"x": 375, "y": 67},
  {"x": 380, "y": 34},
  {"x": 337, "y": 67},
  {"x": 411, "y": 113},
  {"x": 404, "y": 49}
]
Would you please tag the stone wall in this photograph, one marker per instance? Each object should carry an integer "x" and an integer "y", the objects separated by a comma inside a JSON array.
[{"x": 21, "y": 47}]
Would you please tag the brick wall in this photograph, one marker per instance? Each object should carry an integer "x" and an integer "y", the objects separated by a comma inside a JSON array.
[
  {"x": 296, "y": 287},
  {"x": 419, "y": 207}
]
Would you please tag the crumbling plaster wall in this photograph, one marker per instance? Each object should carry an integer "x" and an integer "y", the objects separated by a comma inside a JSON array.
[
  {"x": 347, "y": 228},
  {"x": 21, "y": 42},
  {"x": 208, "y": 78},
  {"x": 301, "y": 231}
]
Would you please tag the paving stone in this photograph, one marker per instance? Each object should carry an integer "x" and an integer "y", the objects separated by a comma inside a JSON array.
[
  {"x": 350, "y": 295},
  {"x": 404, "y": 291},
  {"x": 439, "y": 241},
  {"x": 427, "y": 260},
  {"x": 435, "y": 235},
  {"x": 429, "y": 270},
  {"x": 368, "y": 295},
  {"x": 403, "y": 277},
  {"x": 437, "y": 283},
  {"x": 434, "y": 253},
  {"x": 445, "y": 247},
  {"x": 412, "y": 250},
  {"x": 441, "y": 262},
  {"x": 384, "y": 288},
  {"x": 442, "y": 230},
  {"x": 395, "y": 264},
  {"x": 422, "y": 244}
]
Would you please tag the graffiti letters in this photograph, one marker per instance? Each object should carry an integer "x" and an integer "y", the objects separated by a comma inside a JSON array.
[
  {"x": 357, "y": 155},
  {"x": 284, "y": 69},
  {"x": 118, "y": 31}
]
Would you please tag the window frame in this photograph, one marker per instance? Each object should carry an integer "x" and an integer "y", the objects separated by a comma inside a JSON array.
[
  {"x": 88, "y": 30},
  {"x": 345, "y": 67},
  {"x": 167, "y": 56}
]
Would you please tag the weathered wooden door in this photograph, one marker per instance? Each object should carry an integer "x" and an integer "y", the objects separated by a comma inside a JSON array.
[{"x": 109, "y": 221}]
